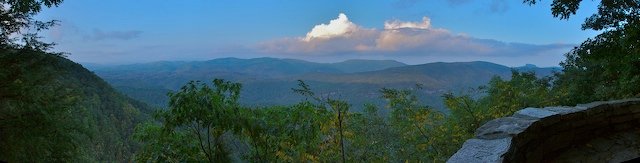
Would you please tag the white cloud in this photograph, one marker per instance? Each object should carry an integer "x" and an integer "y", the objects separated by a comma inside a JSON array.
[
  {"x": 338, "y": 27},
  {"x": 399, "y": 35},
  {"x": 397, "y": 24},
  {"x": 419, "y": 38}
]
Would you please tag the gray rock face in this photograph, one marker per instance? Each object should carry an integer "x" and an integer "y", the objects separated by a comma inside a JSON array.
[
  {"x": 503, "y": 127},
  {"x": 541, "y": 135},
  {"x": 481, "y": 150},
  {"x": 562, "y": 110},
  {"x": 534, "y": 113}
]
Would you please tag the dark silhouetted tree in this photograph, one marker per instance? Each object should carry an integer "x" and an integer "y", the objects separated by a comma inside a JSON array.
[
  {"x": 607, "y": 66},
  {"x": 18, "y": 28}
]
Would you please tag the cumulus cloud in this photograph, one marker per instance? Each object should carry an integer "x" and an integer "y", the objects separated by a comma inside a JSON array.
[
  {"x": 339, "y": 36},
  {"x": 419, "y": 38},
  {"x": 359, "y": 40},
  {"x": 339, "y": 27}
]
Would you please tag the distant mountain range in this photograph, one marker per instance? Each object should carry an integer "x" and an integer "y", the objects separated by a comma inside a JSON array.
[{"x": 268, "y": 81}]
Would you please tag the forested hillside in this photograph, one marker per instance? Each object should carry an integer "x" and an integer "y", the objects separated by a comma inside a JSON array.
[{"x": 52, "y": 109}]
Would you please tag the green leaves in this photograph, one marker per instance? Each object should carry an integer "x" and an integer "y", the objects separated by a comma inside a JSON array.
[
  {"x": 323, "y": 130},
  {"x": 198, "y": 116},
  {"x": 560, "y": 8},
  {"x": 612, "y": 14},
  {"x": 200, "y": 103},
  {"x": 17, "y": 16},
  {"x": 605, "y": 67},
  {"x": 414, "y": 124},
  {"x": 52, "y": 109},
  {"x": 37, "y": 113},
  {"x": 165, "y": 146},
  {"x": 292, "y": 133}
]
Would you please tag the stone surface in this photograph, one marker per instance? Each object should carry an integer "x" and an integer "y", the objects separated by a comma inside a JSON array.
[
  {"x": 502, "y": 127},
  {"x": 534, "y": 113},
  {"x": 594, "y": 104},
  {"x": 559, "y": 134},
  {"x": 562, "y": 110},
  {"x": 624, "y": 102},
  {"x": 480, "y": 150}
]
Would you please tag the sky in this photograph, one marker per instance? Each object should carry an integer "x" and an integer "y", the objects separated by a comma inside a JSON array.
[{"x": 506, "y": 32}]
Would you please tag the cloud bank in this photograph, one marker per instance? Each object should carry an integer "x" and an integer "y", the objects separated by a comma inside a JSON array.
[
  {"x": 342, "y": 37},
  {"x": 68, "y": 31},
  {"x": 98, "y": 34}
]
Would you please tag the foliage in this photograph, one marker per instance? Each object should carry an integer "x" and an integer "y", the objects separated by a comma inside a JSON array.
[
  {"x": 501, "y": 98},
  {"x": 34, "y": 115},
  {"x": 414, "y": 124},
  {"x": 372, "y": 139},
  {"x": 317, "y": 130},
  {"x": 611, "y": 13},
  {"x": 291, "y": 134},
  {"x": 197, "y": 117},
  {"x": 498, "y": 99},
  {"x": 17, "y": 19},
  {"x": 523, "y": 90},
  {"x": 607, "y": 66},
  {"x": 166, "y": 146},
  {"x": 52, "y": 109},
  {"x": 335, "y": 129}
]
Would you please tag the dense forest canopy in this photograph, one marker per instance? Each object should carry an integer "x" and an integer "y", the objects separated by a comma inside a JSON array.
[{"x": 54, "y": 110}]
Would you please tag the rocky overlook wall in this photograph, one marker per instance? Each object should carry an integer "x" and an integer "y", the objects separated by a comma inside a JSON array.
[{"x": 542, "y": 134}]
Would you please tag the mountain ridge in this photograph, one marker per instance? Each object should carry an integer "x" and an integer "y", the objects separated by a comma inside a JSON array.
[{"x": 268, "y": 81}]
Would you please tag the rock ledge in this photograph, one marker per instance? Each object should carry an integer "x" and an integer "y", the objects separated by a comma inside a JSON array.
[{"x": 540, "y": 134}]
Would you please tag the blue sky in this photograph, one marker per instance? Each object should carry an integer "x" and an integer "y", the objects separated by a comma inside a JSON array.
[{"x": 411, "y": 31}]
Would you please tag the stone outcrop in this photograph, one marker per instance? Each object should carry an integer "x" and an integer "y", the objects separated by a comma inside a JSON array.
[{"x": 541, "y": 134}]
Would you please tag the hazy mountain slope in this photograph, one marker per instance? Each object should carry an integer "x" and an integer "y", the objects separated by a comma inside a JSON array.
[
  {"x": 268, "y": 81},
  {"x": 360, "y": 65},
  {"x": 61, "y": 111},
  {"x": 148, "y": 81},
  {"x": 540, "y": 71},
  {"x": 257, "y": 67},
  {"x": 433, "y": 75}
]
